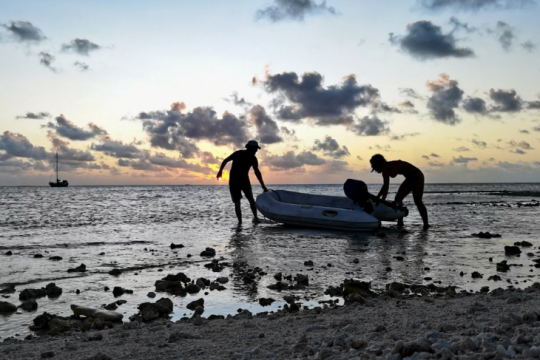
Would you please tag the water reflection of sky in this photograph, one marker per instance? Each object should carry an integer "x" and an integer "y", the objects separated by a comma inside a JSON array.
[{"x": 80, "y": 223}]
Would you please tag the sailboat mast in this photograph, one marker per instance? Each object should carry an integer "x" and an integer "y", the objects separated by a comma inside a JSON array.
[{"x": 56, "y": 167}]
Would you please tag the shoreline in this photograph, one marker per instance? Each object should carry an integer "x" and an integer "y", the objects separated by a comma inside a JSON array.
[{"x": 392, "y": 324}]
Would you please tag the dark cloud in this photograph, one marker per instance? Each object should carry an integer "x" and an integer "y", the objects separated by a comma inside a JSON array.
[
  {"x": 173, "y": 130},
  {"x": 529, "y": 46},
  {"x": 35, "y": 116},
  {"x": 479, "y": 143},
  {"x": 335, "y": 166},
  {"x": 403, "y": 136},
  {"x": 118, "y": 149},
  {"x": 82, "y": 66},
  {"x": 293, "y": 10},
  {"x": 25, "y": 31},
  {"x": 209, "y": 158},
  {"x": 434, "y": 155},
  {"x": 370, "y": 126},
  {"x": 46, "y": 60},
  {"x": 505, "y": 34},
  {"x": 473, "y": 5},
  {"x": 68, "y": 129},
  {"x": 140, "y": 164},
  {"x": 524, "y": 131},
  {"x": 462, "y": 149},
  {"x": 425, "y": 157},
  {"x": 267, "y": 129},
  {"x": 168, "y": 162},
  {"x": 65, "y": 152},
  {"x": 446, "y": 97},
  {"x": 425, "y": 41},
  {"x": 475, "y": 106},
  {"x": 330, "y": 147},
  {"x": 505, "y": 100},
  {"x": 518, "y": 151},
  {"x": 533, "y": 104},
  {"x": 18, "y": 145},
  {"x": 536, "y": 128},
  {"x": 287, "y": 131},
  {"x": 81, "y": 47},
  {"x": 463, "y": 160},
  {"x": 290, "y": 160},
  {"x": 308, "y": 97}
]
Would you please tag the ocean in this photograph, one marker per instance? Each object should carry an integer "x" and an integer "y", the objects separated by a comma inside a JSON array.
[{"x": 132, "y": 228}]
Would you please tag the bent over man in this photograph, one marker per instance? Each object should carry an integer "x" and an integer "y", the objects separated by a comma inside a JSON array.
[{"x": 239, "y": 182}]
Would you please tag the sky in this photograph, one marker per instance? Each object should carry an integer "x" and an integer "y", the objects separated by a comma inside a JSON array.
[{"x": 139, "y": 93}]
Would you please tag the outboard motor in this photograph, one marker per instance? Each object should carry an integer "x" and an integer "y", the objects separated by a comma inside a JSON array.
[{"x": 357, "y": 191}]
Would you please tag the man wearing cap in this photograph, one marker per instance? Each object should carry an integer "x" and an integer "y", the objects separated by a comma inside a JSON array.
[{"x": 239, "y": 182}]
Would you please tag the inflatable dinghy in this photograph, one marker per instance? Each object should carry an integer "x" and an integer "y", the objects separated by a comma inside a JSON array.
[{"x": 327, "y": 212}]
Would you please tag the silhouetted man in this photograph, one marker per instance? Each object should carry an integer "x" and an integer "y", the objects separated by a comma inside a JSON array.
[{"x": 243, "y": 160}]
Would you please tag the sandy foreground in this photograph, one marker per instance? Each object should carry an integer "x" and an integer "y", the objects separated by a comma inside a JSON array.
[{"x": 394, "y": 324}]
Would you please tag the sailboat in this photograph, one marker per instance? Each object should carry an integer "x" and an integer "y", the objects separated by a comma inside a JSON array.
[{"x": 58, "y": 183}]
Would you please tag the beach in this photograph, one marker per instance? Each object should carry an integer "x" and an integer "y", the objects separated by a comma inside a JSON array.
[{"x": 390, "y": 325}]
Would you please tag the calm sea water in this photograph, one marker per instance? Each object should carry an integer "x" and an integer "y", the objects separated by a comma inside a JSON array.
[{"x": 125, "y": 223}]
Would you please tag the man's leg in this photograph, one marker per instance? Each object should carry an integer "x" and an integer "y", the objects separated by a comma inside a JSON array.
[
  {"x": 418, "y": 193},
  {"x": 238, "y": 211},
  {"x": 249, "y": 196},
  {"x": 404, "y": 190}
]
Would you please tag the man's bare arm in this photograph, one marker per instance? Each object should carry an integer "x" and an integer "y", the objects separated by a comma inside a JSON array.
[
  {"x": 220, "y": 172},
  {"x": 259, "y": 175}
]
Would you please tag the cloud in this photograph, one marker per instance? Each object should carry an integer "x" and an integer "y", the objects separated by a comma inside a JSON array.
[
  {"x": 25, "y": 31},
  {"x": 81, "y": 47},
  {"x": 479, "y": 144},
  {"x": 118, "y": 149},
  {"x": 46, "y": 60},
  {"x": 533, "y": 104},
  {"x": 463, "y": 160},
  {"x": 403, "y": 136},
  {"x": 425, "y": 157},
  {"x": 290, "y": 160},
  {"x": 458, "y": 25},
  {"x": 462, "y": 149},
  {"x": 65, "y": 152},
  {"x": 209, "y": 158},
  {"x": 522, "y": 144},
  {"x": 505, "y": 34},
  {"x": 68, "y": 129},
  {"x": 434, "y": 155},
  {"x": 536, "y": 128},
  {"x": 35, "y": 116},
  {"x": 267, "y": 129},
  {"x": 172, "y": 129},
  {"x": 293, "y": 10},
  {"x": 518, "y": 151},
  {"x": 473, "y": 5},
  {"x": 446, "y": 97},
  {"x": 407, "y": 104},
  {"x": 236, "y": 100},
  {"x": 425, "y": 41},
  {"x": 161, "y": 159},
  {"x": 410, "y": 93},
  {"x": 308, "y": 98},
  {"x": 82, "y": 66},
  {"x": 435, "y": 164},
  {"x": 330, "y": 147},
  {"x": 475, "y": 106},
  {"x": 524, "y": 131},
  {"x": 370, "y": 126},
  {"x": 17, "y": 145},
  {"x": 505, "y": 100},
  {"x": 529, "y": 46}
]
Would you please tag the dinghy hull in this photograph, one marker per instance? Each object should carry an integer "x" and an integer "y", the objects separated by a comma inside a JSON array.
[{"x": 320, "y": 211}]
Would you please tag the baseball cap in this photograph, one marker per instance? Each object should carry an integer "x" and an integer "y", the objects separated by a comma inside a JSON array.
[{"x": 253, "y": 143}]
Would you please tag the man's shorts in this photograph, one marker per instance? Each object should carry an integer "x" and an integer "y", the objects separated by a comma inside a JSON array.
[{"x": 237, "y": 187}]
